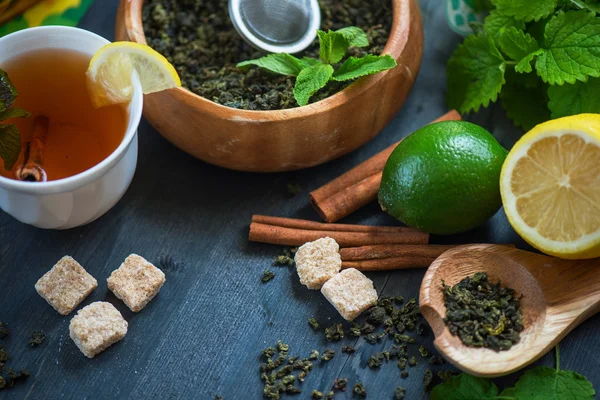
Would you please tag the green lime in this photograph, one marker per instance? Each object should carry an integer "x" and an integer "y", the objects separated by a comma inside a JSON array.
[{"x": 444, "y": 178}]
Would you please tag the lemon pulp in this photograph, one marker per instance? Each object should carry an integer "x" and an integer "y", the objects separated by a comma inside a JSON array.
[{"x": 550, "y": 186}]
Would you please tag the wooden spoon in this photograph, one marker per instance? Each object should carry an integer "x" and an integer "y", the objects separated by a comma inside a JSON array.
[{"x": 557, "y": 295}]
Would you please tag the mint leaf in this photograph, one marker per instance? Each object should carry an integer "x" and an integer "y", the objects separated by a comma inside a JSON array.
[
  {"x": 497, "y": 21},
  {"x": 580, "y": 97},
  {"x": 10, "y": 145},
  {"x": 524, "y": 65},
  {"x": 465, "y": 387},
  {"x": 310, "y": 61},
  {"x": 333, "y": 46},
  {"x": 354, "y": 67},
  {"x": 14, "y": 112},
  {"x": 544, "y": 383},
  {"x": 354, "y": 36},
  {"x": 517, "y": 44},
  {"x": 310, "y": 80},
  {"x": 589, "y": 4},
  {"x": 282, "y": 63},
  {"x": 8, "y": 93},
  {"x": 572, "y": 48},
  {"x": 526, "y": 10},
  {"x": 509, "y": 393},
  {"x": 525, "y": 104},
  {"x": 475, "y": 74}
]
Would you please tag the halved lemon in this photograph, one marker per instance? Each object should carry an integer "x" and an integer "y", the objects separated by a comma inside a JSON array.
[
  {"x": 550, "y": 186},
  {"x": 110, "y": 71}
]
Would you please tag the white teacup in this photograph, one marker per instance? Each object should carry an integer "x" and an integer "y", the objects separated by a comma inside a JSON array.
[{"x": 82, "y": 198}]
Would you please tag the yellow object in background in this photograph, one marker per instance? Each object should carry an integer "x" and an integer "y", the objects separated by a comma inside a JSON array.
[
  {"x": 40, "y": 12},
  {"x": 35, "y": 16}
]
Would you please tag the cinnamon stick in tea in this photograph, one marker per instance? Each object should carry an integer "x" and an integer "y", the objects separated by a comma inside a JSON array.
[
  {"x": 296, "y": 232},
  {"x": 357, "y": 187},
  {"x": 32, "y": 169}
]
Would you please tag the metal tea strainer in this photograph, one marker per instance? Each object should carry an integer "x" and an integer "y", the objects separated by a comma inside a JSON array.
[{"x": 277, "y": 26}]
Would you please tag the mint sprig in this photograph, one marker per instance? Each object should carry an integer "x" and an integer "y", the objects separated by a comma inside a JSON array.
[
  {"x": 10, "y": 138},
  {"x": 554, "y": 43},
  {"x": 572, "y": 48},
  {"x": 581, "y": 97},
  {"x": 539, "y": 383},
  {"x": 527, "y": 10},
  {"x": 313, "y": 74}
]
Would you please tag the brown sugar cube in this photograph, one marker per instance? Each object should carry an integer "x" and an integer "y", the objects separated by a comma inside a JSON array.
[
  {"x": 66, "y": 285},
  {"x": 136, "y": 282},
  {"x": 96, "y": 327},
  {"x": 317, "y": 262},
  {"x": 350, "y": 292}
]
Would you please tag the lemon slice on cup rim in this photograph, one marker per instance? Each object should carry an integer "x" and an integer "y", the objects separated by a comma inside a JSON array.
[
  {"x": 110, "y": 70},
  {"x": 550, "y": 186}
]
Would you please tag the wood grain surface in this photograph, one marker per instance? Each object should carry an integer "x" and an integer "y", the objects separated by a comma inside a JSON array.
[{"x": 202, "y": 334}]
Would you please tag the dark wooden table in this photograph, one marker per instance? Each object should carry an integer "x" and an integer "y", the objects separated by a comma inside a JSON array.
[{"x": 203, "y": 333}]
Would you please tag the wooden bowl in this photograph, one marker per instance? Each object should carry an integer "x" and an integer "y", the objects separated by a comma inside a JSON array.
[{"x": 283, "y": 140}]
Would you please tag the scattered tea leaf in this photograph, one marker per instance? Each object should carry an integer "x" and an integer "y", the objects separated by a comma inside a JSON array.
[
  {"x": 37, "y": 338},
  {"x": 328, "y": 355},
  {"x": 348, "y": 349},
  {"x": 399, "y": 393},
  {"x": 267, "y": 276},
  {"x": 447, "y": 374},
  {"x": 334, "y": 333},
  {"x": 376, "y": 315},
  {"x": 3, "y": 331},
  {"x": 376, "y": 360},
  {"x": 427, "y": 380},
  {"x": 3, "y": 354},
  {"x": 359, "y": 390},
  {"x": 340, "y": 384}
]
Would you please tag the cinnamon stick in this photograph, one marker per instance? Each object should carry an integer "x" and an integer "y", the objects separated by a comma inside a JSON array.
[
  {"x": 294, "y": 232},
  {"x": 357, "y": 187},
  {"x": 32, "y": 169},
  {"x": 388, "y": 257}
]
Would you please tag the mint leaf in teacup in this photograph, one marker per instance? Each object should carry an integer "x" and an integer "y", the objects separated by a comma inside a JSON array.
[
  {"x": 10, "y": 145},
  {"x": 10, "y": 138}
]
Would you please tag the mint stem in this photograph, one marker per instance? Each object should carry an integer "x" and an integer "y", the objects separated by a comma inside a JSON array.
[{"x": 557, "y": 358}]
